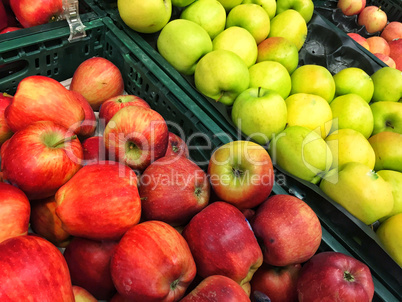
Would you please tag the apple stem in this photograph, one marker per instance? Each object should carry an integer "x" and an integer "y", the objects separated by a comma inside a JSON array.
[
  {"x": 389, "y": 124},
  {"x": 259, "y": 91},
  {"x": 348, "y": 276},
  {"x": 174, "y": 284},
  {"x": 237, "y": 172},
  {"x": 64, "y": 140},
  {"x": 119, "y": 101},
  {"x": 198, "y": 191}
]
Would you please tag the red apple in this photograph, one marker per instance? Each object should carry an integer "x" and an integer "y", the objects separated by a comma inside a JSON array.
[
  {"x": 94, "y": 150},
  {"x": 392, "y": 31},
  {"x": 137, "y": 136},
  {"x": 222, "y": 243},
  {"x": 2, "y": 151},
  {"x": 97, "y": 79},
  {"x": 5, "y": 131},
  {"x": 372, "y": 18},
  {"x": 152, "y": 262},
  {"x": 33, "y": 269},
  {"x": 378, "y": 45},
  {"x": 386, "y": 59},
  {"x": 334, "y": 276},
  {"x": 88, "y": 125},
  {"x": 100, "y": 202},
  {"x": 89, "y": 265},
  {"x": 241, "y": 173},
  {"x": 9, "y": 29},
  {"x": 47, "y": 224},
  {"x": 173, "y": 189},
  {"x": 288, "y": 230},
  {"x": 114, "y": 104},
  {"x": 217, "y": 288},
  {"x": 14, "y": 212},
  {"x": 41, "y": 158},
  {"x": 40, "y": 98},
  {"x": 277, "y": 282},
  {"x": 82, "y": 295},
  {"x": 351, "y": 7},
  {"x": 395, "y": 48},
  {"x": 177, "y": 146},
  {"x": 360, "y": 40},
  {"x": 3, "y": 16}
]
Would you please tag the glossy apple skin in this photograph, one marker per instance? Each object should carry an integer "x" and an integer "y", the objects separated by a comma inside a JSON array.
[
  {"x": 40, "y": 98},
  {"x": 94, "y": 150},
  {"x": 351, "y": 7},
  {"x": 288, "y": 230},
  {"x": 117, "y": 206},
  {"x": 9, "y": 29},
  {"x": 392, "y": 31},
  {"x": 5, "y": 131},
  {"x": 395, "y": 52},
  {"x": 322, "y": 278},
  {"x": 173, "y": 189},
  {"x": 217, "y": 288},
  {"x": 152, "y": 262},
  {"x": 373, "y": 18},
  {"x": 88, "y": 125},
  {"x": 89, "y": 265},
  {"x": 97, "y": 79},
  {"x": 176, "y": 146},
  {"x": 33, "y": 269},
  {"x": 34, "y": 166},
  {"x": 15, "y": 211},
  {"x": 222, "y": 243}
]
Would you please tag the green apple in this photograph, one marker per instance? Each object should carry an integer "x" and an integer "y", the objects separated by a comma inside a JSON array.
[
  {"x": 221, "y": 75},
  {"x": 268, "y": 5},
  {"x": 394, "y": 178},
  {"x": 361, "y": 191},
  {"x": 388, "y": 150},
  {"x": 238, "y": 40},
  {"x": 291, "y": 25},
  {"x": 281, "y": 50},
  {"x": 353, "y": 112},
  {"x": 348, "y": 145},
  {"x": 260, "y": 114},
  {"x": 387, "y": 116},
  {"x": 145, "y": 16},
  {"x": 390, "y": 235},
  {"x": 304, "y": 7},
  {"x": 182, "y": 3},
  {"x": 182, "y": 43},
  {"x": 229, "y": 4},
  {"x": 209, "y": 14},
  {"x": 310, "y": 111},
  {"x": 251, "y": 17},
  {"x": 354, "y": 80},
  {"x": 271, "y": 75},
  {"x": 387, "y": 85},
  {"x": 301, "y": 152}
]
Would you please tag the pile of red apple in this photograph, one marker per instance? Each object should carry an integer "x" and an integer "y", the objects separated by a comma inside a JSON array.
[{"x": 128, "y": 216}]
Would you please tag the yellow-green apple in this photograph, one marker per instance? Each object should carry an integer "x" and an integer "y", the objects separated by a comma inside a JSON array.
[
  {"x": 390, "y": 235},
  {"x": 145, "y": 16},
  {"x": 301, "y": 152},
  {"x": 304, "y": 7},
  {"x": 114, "y": 104},
  {"x": 353, "y": 112},
  {"x": 221, "y": 75},
  {"x": 152, "y": 262},
  {"x": 40, "y": 98},
  {"x": 387, "y": 117},
  {"x": 388, "y": 150},
  {"x": 238, "y": 40},
  {"x": 217, "y": 288},
  {"x": 213, "y": 236},
  {"x": 373, "y": 18},
  {"x": 173, "y": 189},
  {"x": 313, "y": 79},
  {"x": 277, "y": 282},
  {"x": 88, "y": 126},
  {"x": 310, "y": 111},
  {"x": 330, "y": 275},
  {"x": 270, "y": 75},
  {"x": 281, "y": 50},
  {"x": 97, "y": 79},
  {"x": 177, "y": 146},
  {"x": 47, "y": 224},
  {"x": 268, "y": 5},
  {"x": 251, "y": 17},
  {"x": 182, "y": 43},
  {"x": 89, "y": 264},
  {"x": 387, "y": 85},
  {"x": 348, "y": 145},
  {"x": 360, "y": 190},
  {"x": 378, "y": 44},
  {"x": 94, "y": 150},
  {"x": 386, "y": 59},
  {"x": 392, "y": 31},
  {"x": 36, "y": 13},
  {"x": 33, "y": 268},
  {"x": 351, "y": 7},
  {"x": 107, "y": 219},
  {"x": 82, "y": 295},
  {"x": 229, "y": 4},
  {"x": 209, "y": 14},
  {"x": 5, "y": 131},
  {"x": 260, "y": 114},
  {"x": 40, "y": 158},
  {"x": 395, "y": 179},
  {"x": 359, "y": 39},
  {"x": 182, "y": 3},
  {"x": 354, "y": 80},
  {"x": 291, "y": 25},
  {"x": 15, "y": 211},
  {"x": 287, "y": 229},
  {"x": 241, "y": 174},
  {"x": 137, "y": 136}
]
